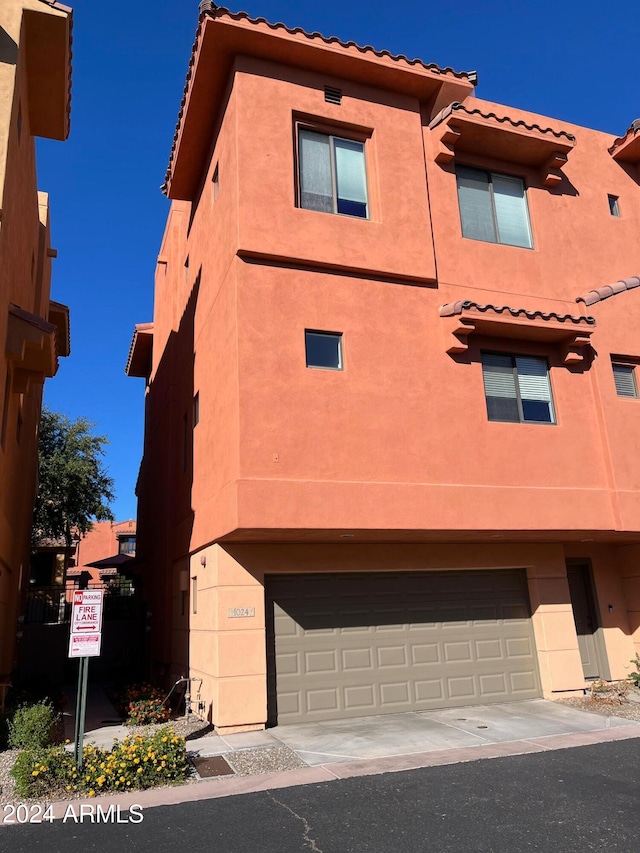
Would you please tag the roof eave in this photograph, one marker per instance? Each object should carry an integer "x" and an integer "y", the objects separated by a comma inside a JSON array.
[
  {"x": 48, "y": 63},
  {"x": 221, "y": 37}
]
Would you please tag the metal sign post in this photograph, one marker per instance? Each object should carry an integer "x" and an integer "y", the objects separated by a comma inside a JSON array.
[{"x": 84, "y": 642}]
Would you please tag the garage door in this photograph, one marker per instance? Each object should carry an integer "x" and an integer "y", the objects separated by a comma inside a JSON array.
[{"x": 359, "y": 644}]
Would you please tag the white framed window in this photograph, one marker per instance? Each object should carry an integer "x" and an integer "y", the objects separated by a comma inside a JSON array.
[
  {"x": 332, "y": 175},
  {"x": 517, "y": 388},
  {"x": 493, "y": 207},
  {"x": 323, "y": 349},
  {"x": 624, "y": 376}
]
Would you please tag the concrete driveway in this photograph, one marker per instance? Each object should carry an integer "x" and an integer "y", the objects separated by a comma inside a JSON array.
[{"x": 427, "y": 731}]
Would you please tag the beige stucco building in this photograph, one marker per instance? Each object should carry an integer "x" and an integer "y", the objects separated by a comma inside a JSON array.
[{"x": 35, "y": 81}]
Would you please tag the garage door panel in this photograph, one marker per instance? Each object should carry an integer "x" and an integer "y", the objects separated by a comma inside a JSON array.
[
  {"x": 373, "y": 656},
  {"x": 489, "y": 650},
  {"x": 427, "y": 653},
  {"x": 357, "y": 659},
  {"x": 360, "y": 698}
]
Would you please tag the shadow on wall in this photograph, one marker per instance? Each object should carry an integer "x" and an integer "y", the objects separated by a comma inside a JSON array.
[
  {"x": 8, "y": 48},
  {"x": 165, "y": 520}
]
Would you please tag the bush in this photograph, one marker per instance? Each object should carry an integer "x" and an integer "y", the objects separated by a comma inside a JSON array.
[
  {"x": 39, "y": 772},
  {"x": 146, "y": 711},
  {"x": 634, "y": 677},
  {"x": 141, "y": 704},
  {"x": 135, "y": 763},
  {"x": 32, "y": 726}
]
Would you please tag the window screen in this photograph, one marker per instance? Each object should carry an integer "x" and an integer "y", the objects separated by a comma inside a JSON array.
[
  {"x": 624, "y": 375},
  {"x": 493, "y": 207},
  {"x": 323, "y": 349},
  {"x": 332, "y": 175},
  {"x": 517, "y": 388}
]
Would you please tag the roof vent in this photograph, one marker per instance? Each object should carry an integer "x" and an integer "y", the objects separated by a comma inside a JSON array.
[{"x": 332, "y": 96}]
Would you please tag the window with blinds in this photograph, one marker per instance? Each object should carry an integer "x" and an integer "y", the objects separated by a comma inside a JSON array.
[
  {"x": 517, "y": 388},
  {"x": 493, "y": 208},
  {"x": 332, "y": 175},
  {"x": 624, "y": 375}
]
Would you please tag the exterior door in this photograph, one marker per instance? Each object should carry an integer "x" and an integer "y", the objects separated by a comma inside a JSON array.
[{"x": 584, "y": 615}]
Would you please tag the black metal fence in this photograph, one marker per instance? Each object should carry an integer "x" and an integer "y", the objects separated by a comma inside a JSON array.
[{"x": 52, "y": 604}]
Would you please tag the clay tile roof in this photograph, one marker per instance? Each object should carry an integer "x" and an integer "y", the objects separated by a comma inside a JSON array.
[
  {"x": 453, "y": 308},
  {"x": 633, "y": 128},
  {"x": 244, "y": 16},
  {"x": 608, "y": 290},
  {"x": 209, "y": 9},
  {"x": 457, "y": 107}
]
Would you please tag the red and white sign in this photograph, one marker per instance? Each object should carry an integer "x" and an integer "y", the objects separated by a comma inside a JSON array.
[
  {"x": 86, "y": 623},
  {"x": 84, "y": 645}
]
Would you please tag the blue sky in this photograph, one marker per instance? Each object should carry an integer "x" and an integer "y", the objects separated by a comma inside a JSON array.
[{"x": 574, "y": 61}]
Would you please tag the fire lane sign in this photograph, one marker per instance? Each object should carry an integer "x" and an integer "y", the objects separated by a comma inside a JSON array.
[{"x": 86, "y": 623}]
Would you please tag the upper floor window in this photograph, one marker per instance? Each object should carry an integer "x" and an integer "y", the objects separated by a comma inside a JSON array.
[
  {"x": 517, "y": 388},
  {"x": 493, "y": 207},
  {"x": 624, "y": 375},
  {"x": 127, "y": 545},
  {"x": 332, "y": 175},
  {"x": 323, "y": 349}
]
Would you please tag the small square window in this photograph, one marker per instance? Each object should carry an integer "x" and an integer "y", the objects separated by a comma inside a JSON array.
[
  {"x": 196, "y": 409},
  {"x": 614, "y": 205},
  {"x": 493, "y": 208},
  {"x": 624, "y": 376},
  {"x": 517, "y": 388},
  {"x": 323, "y": 349},
  {"x": 331, "y": 174}
]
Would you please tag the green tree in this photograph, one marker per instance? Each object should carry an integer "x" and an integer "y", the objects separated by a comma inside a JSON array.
[{"x": 73, "y": 486}]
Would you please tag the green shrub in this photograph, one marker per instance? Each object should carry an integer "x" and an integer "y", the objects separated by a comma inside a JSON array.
[
  {"x": 635, "y": 676},
  {"x": 32, "y": 726},
  {"x": 135, "y": 763},
  {"x": 39, "y": 772}
]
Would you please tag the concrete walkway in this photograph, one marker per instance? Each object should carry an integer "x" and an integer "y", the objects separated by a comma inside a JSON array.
[{"x": 368, "y": 745}]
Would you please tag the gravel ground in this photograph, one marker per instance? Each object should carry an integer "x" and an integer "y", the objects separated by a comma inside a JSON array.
[
  {"x": 268, "y": 759},
  {"x": 630, "y": 710}
]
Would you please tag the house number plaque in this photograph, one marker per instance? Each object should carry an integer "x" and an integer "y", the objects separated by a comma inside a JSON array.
[{"x": 240, "y": 612}]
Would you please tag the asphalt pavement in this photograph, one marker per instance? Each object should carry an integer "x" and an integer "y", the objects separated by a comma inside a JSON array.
[{"x": 561, "y": 801}]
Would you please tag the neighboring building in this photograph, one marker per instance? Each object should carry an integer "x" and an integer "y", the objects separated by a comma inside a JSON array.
[
  {"x": 35, "y": 74},
  {"x": 106, "y": 539},
  {"x": 392, "y": 450}
]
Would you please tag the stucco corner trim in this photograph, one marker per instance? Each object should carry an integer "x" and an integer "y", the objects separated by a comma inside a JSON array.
[
  {"x": 464, "y": 318},
  {"x": 601, "y": 293},
  {"x": 459, "y": 128}
]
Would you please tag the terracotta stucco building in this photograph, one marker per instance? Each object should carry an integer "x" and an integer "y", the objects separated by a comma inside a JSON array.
[
  {"x": 392, "y": 441},
  {"x": 35, "y": 69}
]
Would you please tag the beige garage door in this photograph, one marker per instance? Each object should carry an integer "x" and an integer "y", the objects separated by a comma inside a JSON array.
[{"x": 360, "y": 644}]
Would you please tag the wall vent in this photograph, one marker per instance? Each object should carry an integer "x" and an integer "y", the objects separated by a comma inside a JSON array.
[{"x": 332, "y": 95}]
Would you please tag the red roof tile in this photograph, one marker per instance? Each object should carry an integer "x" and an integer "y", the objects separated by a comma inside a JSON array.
[
  {"x": 608, "y": 290},
  {"x": 209, "y": 10},
  {"x": 453, "y": 308},
  {"x": 456, "y": 107}
]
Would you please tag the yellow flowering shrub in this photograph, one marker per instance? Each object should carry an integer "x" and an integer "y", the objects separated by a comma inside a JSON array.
[{"x": 141, "y": 761}]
